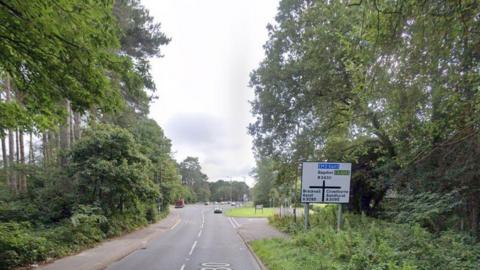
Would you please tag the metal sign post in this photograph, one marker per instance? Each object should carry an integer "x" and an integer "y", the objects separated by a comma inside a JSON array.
[
  {"x": 339, "y": 217},
  {"x": 305, "y": 214}
]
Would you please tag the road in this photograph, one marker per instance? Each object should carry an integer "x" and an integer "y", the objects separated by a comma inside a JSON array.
[{"x": 201, "y": 240}]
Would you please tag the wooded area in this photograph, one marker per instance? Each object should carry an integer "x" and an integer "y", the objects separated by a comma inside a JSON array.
[
  {"x": 391, "y": 86},
  {"x": 81, "y": 160}
]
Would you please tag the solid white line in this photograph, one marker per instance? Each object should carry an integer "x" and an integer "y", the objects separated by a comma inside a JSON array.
[
  {"x": 193, "y": 247},
  {"x": 236, "y": 222},
  {"x": 183, "y": 267},
  {"x": 231, "y": 222}
]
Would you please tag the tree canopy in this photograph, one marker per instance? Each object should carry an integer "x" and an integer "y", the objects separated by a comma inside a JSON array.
[{"x": 391, "y": 86}]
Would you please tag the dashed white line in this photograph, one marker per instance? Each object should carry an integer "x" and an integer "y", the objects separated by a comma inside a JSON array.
[
  {"x": 183, "y": 267},
  {"x": 193, "y": 247},
  {"x": 200, "y": 233}
]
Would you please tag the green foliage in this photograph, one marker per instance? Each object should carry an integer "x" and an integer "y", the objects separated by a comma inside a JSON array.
[
  {"x": 365, "y": 243},
  {"x": 264, "y": 173},
  {"x": 18, "y": 245},
  {"x": 194, "y": 179},
  {"x": 221, "y": 190},
  {"x": 111, "y": 171},
  {"x": 76, "y": 40},
  {"x": 427, "y": 209},
  {"x": 92, "y": 55},
  {"x": 140, "y": 38},
  {"x": 391, "y": 86}
]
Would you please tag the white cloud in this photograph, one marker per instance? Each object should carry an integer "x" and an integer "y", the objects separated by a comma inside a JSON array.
[{"x": 202, "y": 80}]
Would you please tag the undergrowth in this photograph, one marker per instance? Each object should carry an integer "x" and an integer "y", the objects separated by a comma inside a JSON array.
[{"x": 365, "y": 243}]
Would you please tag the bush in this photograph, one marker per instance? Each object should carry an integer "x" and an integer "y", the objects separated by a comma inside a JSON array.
[
  {"x": 19, "y": 245},
  {"x": 367, "y": 243}
]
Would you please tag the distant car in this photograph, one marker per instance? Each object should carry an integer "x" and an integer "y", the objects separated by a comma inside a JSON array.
[
  {"x": 179, "y": 203},
  {"x": 218, "y": 210},
  {"x": 206, "y": 203},
  {"x": 233, "y": 204}
]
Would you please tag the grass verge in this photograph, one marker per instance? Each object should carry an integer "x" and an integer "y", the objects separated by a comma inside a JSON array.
[
  {"x": 249, "y": 212},
  {"x": 364, "y": 243}
]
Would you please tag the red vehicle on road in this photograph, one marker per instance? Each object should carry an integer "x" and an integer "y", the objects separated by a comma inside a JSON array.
[{"x": 179, "y": 203}]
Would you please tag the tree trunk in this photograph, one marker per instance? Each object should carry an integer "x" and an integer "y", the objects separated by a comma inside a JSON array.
[
  {"x": 23, "y": 177},
  {"x": 71, "y": 126},
  {"x": 76, "y": 128},
  {"x": 18, "y": 172},
  {"x": 17, "y": 147},
  {"x": 5, "y": 160},
  {"x": 65, "y": 135},
  {"x": 11, "y": 158},
  {"x": 474, "y": 205},
  {"x": 11, "y": 143},
  {"x": 44, "y": 148},
  {"x": 31, "y": 154}
]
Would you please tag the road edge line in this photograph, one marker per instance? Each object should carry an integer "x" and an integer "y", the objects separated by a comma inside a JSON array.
[
  {"x": 257, "y": 259},
  {"x": 176, "y": 223}
]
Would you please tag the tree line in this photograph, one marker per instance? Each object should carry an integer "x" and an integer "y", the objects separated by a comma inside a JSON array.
[
  {"x": 199, "y": 190},
  {"x": 81, "y": 159},
  {"x": 391, "y": 86}
]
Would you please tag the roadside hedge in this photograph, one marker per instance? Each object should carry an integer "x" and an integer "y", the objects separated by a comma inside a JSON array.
[{"x": 23, "y": 243}]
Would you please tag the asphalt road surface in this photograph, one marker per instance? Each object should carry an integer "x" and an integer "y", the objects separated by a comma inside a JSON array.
[{"x": 201, "y": 240}]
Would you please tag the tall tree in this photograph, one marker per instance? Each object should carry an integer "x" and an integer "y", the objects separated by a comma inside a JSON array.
[
  {"x": 391, "y": 86},
  {"x": 194, "y": 178},
  {"x": 39, "y": 37}
]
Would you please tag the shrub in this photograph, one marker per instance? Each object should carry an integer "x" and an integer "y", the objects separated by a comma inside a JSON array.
[
  {"x": 368, "y": 243},
  {"x": 19, "y": 245}
]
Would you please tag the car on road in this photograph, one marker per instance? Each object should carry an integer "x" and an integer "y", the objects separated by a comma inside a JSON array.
[
  {"x": 218, "y": 210},
  {"x": 233, "y": 204},
  {"x": 179, "y": 203},
  {"x": 206, "y": 203}
]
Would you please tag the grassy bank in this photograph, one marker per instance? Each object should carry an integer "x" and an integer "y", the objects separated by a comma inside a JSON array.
[
  {"x": 364, "y": 243},
  {"x": 250, "y": 212}
]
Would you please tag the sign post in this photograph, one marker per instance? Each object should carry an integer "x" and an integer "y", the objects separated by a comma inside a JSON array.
[
  {"x": 325, "y": 182},
  {"x": 339, "y": 217},
  {"x": 305, "y": 214}
]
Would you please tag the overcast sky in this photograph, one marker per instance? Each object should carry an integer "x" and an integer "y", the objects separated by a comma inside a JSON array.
[{"x": 202, "y": 79}]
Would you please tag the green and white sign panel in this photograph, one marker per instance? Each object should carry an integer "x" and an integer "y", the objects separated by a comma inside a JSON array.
[{"x": 326, "y": 182}]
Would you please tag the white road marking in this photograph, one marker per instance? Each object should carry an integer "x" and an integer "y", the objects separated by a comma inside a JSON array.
[
  {"x": 200, "y": 233},
  {"x": 231, "y": 222},
  {"x": 236, "y": 222},
  {"x": 193, "y": 247},
  {"x": 216, "y": 266},
  {"x": 183, "y": 267}
]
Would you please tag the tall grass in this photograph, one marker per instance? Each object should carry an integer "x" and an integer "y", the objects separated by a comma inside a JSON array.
[{"x": 365, "y": 243}]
